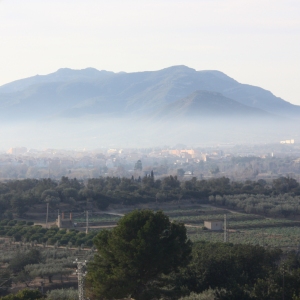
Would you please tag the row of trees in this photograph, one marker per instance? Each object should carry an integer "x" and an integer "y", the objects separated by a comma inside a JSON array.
[
  {"x": 106, "y": 190},
  {"x": 17, "y": 196},
  {"x": 37, "y": 234},
  {"x": 282, "y": 206}
]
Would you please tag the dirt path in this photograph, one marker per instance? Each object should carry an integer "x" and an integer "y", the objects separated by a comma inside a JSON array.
[
  {"x": 115, "y": 214},
  {"x": 215, "y": 207}
]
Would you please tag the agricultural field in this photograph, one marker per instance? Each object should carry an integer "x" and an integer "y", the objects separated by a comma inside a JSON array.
[
  {"x": 96, "y": 217},
  {"x": 43, "y": 268},
  {"x": 242, "y": 228}
]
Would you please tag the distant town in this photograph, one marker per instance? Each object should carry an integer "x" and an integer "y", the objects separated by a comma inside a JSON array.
[{"x": 238, "y": 162}]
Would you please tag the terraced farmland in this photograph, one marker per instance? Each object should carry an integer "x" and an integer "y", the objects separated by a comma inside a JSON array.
[
  {"x": 243, "y": 228},
  {"x": 96, "y": 218}
]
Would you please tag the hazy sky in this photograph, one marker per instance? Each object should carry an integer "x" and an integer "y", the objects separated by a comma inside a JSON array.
[{"x": 254, "y": 41}]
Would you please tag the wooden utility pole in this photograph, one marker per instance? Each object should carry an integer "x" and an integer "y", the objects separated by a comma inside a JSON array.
[
  {"x": 87, "y": 222},
  {"x": 225, "y": 229},
  {"x": 47, "y": 214}
]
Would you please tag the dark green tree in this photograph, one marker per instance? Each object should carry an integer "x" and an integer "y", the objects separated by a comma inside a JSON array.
[
  {"x": 19, "y": 261},
  {"x": 24, "y": 295},
  {"x": 142, "y": 247},
  {"x": 180, "y": 172},
  {"x": 138, "y": 166}
]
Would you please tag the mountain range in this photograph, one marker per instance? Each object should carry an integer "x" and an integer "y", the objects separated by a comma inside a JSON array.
[
  {"x": 175, "y": 94},
  {"x": 74, "y": 93}
]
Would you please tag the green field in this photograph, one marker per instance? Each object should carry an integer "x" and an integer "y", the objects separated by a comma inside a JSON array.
[
  {"x": 97, "y": 218},
  {"x": 243, "y": 228}
]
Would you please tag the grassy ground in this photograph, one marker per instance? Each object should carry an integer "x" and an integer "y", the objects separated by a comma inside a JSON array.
[{"x": 243, "y": 228}]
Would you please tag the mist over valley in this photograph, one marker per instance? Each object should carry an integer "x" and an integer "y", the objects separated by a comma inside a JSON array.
[{"x": 91, "y": 108}]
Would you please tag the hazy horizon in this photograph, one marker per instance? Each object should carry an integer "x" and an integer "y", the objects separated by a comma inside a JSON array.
[{"x": 127, "y": 133}]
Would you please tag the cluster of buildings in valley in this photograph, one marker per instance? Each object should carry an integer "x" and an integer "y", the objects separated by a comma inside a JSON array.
[
  {"x": 244, "y": 161},
  {"x": 288, "y": 142},
  {"x": 105, "y": 160}
]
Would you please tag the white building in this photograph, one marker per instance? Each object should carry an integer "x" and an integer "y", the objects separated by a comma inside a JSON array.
[{"x": 214, "y": 225}]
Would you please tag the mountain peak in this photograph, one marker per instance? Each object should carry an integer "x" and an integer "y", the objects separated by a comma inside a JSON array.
[
  {"x": 178, "y": 68},
  {"x": 71, "y": 72}
]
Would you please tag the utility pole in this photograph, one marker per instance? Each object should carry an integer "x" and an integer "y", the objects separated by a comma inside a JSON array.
[
  {"x": 283, "y": 271},
  {"x": 47, "y": 215},
  {"x": 42, "y": 286},
  {"x": 49, "y": 168},
  {"x": 87, "y": 222},
  {"x": 81, "y": 274},
  {"x": 225, "y": 229}
]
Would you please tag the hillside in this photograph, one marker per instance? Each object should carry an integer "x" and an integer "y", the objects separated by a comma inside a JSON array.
[
  {"x": 203, "y": 104},
  {"x": 74, "y": 93},
  {"x": 90, "y": 108}
]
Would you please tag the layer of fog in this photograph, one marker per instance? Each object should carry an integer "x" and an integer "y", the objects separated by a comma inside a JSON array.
[{"x": 95, "y": 132}]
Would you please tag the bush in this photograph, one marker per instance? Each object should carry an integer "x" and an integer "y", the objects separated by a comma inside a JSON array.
[
  {"x": 63, "y": 241},
  {"x": 21, "y": 259},
  {"x": 21, "y": 223},
  {"x": 4, "y": 222},
  {"x": 63, "y": 294},
  {"x": 18, "y": 237},
  {"x": 12, "y": 223},
  {"x": 10, "y": 232},
  {"x": 206, "y": 295},
  {"x": 89, "y": 243},
  {"x": 29, "y": 223},
  {"x": 50, "y": 233},
  {"x": 24, "y": 295},
  {"x": 36, "y": 236},
  {"x": 51, "y": 241}
]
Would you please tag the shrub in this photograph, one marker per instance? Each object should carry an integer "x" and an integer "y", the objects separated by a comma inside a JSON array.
[
  {"x": 21, "y": 223},
  {"x": 206, "y": 295},
  {"x": 12, "y": 223},
  {"x": 18, "y": 237},
  {"x": 24, "y": 295},
  {"x": 51, "y": 241},
  {"x": 4, "y": 222},
  {"x": 63, "y": 294}
]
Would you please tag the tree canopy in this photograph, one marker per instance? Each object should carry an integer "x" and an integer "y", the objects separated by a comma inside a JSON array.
[
  {"x": 24, "y": 295},
  {"x": 143, "y": 246}
]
